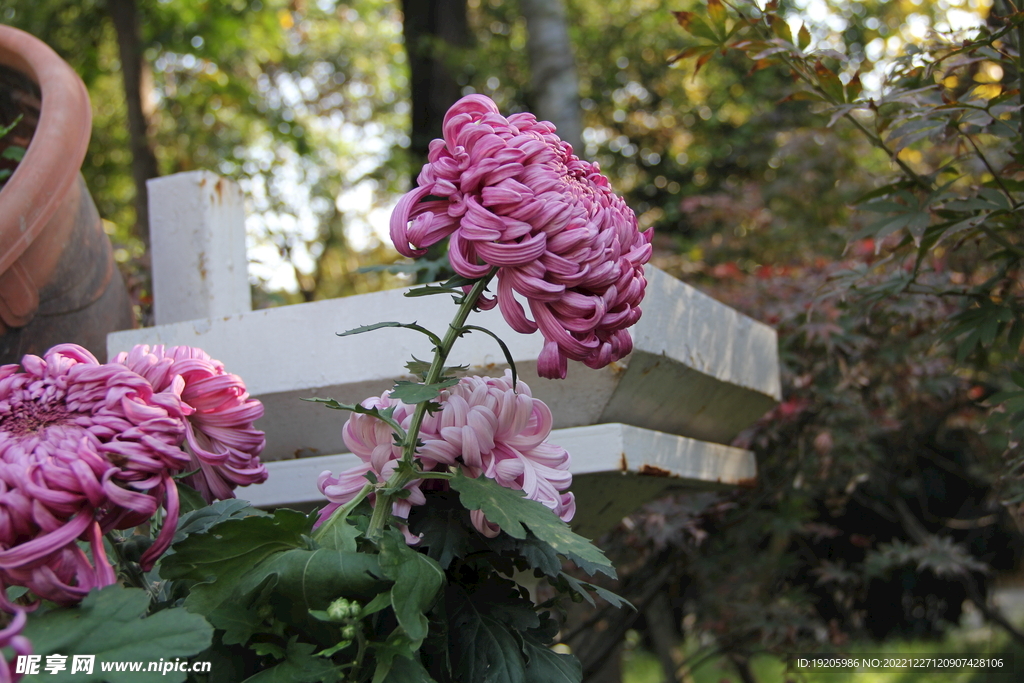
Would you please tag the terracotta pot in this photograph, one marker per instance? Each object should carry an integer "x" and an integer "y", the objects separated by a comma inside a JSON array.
[{"x": 58, "y": 280}]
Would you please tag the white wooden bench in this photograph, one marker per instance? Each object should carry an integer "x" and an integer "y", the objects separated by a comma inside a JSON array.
[{"x": 657, "y": 421}]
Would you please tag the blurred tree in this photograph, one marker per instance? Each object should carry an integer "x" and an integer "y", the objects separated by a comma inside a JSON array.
[
  {"x": 433, "y": 30},
  {"x": 297, "y": 101},
  {"x": 554, "y": 86},
  {"x": 139, "y": 101}
]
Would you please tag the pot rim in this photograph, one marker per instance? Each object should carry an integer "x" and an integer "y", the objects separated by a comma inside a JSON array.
[{"x": 54, "y": 156}]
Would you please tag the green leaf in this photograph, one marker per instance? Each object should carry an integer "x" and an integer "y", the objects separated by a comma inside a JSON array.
[
  {"x": 191, "y": 500},
  {"x": 780, "y": 28},
  {"x": 382, "y": 601},
  {"x": 376, "y": 326},
  {"x": 15, "y": 592},
  {"x": 13, "y": 153},
  {"x": 383, "y": 415},
  {"x": 547, "y": 666},
  {"x": 316, "y": 578},
  {"x": 111, "y": 623},
  {"x": 583, "y": 588},
  {"x": 201, "y": 519},
  {"x": 413, "y": 392},
  {"x": 443, "y": 533},
  {"x": 396, "y": 648},
  {"x": 829, "y": 82},
  {"x": 803, "y": 37},
  {"x": 514, "y": 513},
  {"x": 504, "y": 349},
  {"x": 483, "y": 648},
  {"x": 417, "y": 577},
  {"x": 337, "y": 534},
  {"x": 404, "y": 670},
  {"x": 299, "y": 666},
  {"x": 238, "y": 622},
  {"x": 452, "y": 285},
  {"x": 4, "y": 130},
  {"x": 218, "y": 559}
]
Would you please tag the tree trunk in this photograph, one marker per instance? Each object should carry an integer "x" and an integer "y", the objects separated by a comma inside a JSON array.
[
  {"x": 434, "y": 88},
  {"x": 138, "y": 94},
  {"x": 554, "y": 87}
]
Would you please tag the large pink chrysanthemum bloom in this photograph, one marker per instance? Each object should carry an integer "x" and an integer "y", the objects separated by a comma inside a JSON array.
[
  {"x": 84, "y": 448},
  {"x": 512, "y": 195},
  {"x": 220, "y": 438},
  {"x": 10, "y": 637},
  {"x": 483, "y": 426}
]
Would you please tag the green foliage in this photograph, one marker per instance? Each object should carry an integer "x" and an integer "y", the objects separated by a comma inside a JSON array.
[
  {"x": 248, "y": 89},
  {"x": 112, "y": 623},
  {"x": 953, "y": 137},
  {"x": 514, "y": 513},
  {"x": 10, "y": 152}
]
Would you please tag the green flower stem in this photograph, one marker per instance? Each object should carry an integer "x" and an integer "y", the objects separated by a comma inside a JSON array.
[{"x": 403, "y": 475}]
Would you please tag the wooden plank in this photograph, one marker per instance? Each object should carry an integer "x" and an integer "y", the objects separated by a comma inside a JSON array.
[
  {"x": 698, "y": 369},
  {"x": 197, "y": 240}
]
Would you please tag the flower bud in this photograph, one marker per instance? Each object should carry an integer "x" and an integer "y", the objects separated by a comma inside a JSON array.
[{"x": 339, "y": 610}]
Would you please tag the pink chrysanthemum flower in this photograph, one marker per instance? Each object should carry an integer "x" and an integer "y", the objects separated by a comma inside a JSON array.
[
  {"x": 10, "y": 637},
  {"x": 484, "y": 427},
  {"x": 512, "y": 195},
  {"x": 84, "y": 448},
  {"x": 220, "y": 436}
]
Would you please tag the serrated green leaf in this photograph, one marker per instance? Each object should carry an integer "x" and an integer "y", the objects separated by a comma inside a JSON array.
[
  {"x": 111, "y": 623},
  {"x": 418, "y": 367},
  {"x": 376, "y": 326},
  {"x": 316, "y": 578},
  {"x": 218, "y": 559},
  {"x": 238, "y": 621},
  {"x": 337, "y": 534},
  {"x": 583, "y": 588},
  {"x": 547, "y": 666},
  {"x": 514, "y": 513},
  {"x": 413, "y": 392},
  {"x": 201, "y": 519},
  {"x": 300, "y": 665},
  {"x": 417, "y": 577},
  {"x": 383, "y": 415},
  {"x": 483, "y": 648},
  {"x": 443, "y": 533},
  {"x": 803, "y": 37}
]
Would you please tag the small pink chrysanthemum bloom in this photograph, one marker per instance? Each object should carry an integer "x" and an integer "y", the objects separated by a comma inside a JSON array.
[
  {"x": 483, "y": 426},
  {"x": 10, "y": 637},
  {"x": 84, "y": 448},
  {"x": 512, "y": 195},
  {"x": 220, "y": 436}
]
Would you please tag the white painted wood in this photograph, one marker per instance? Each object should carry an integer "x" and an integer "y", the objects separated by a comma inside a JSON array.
[
  {"x": 698, "y": 369},
  {"x": 197, "y": 239},
  {"x": 616, "y": 468},
  {"x": 700, "y": 372}
]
